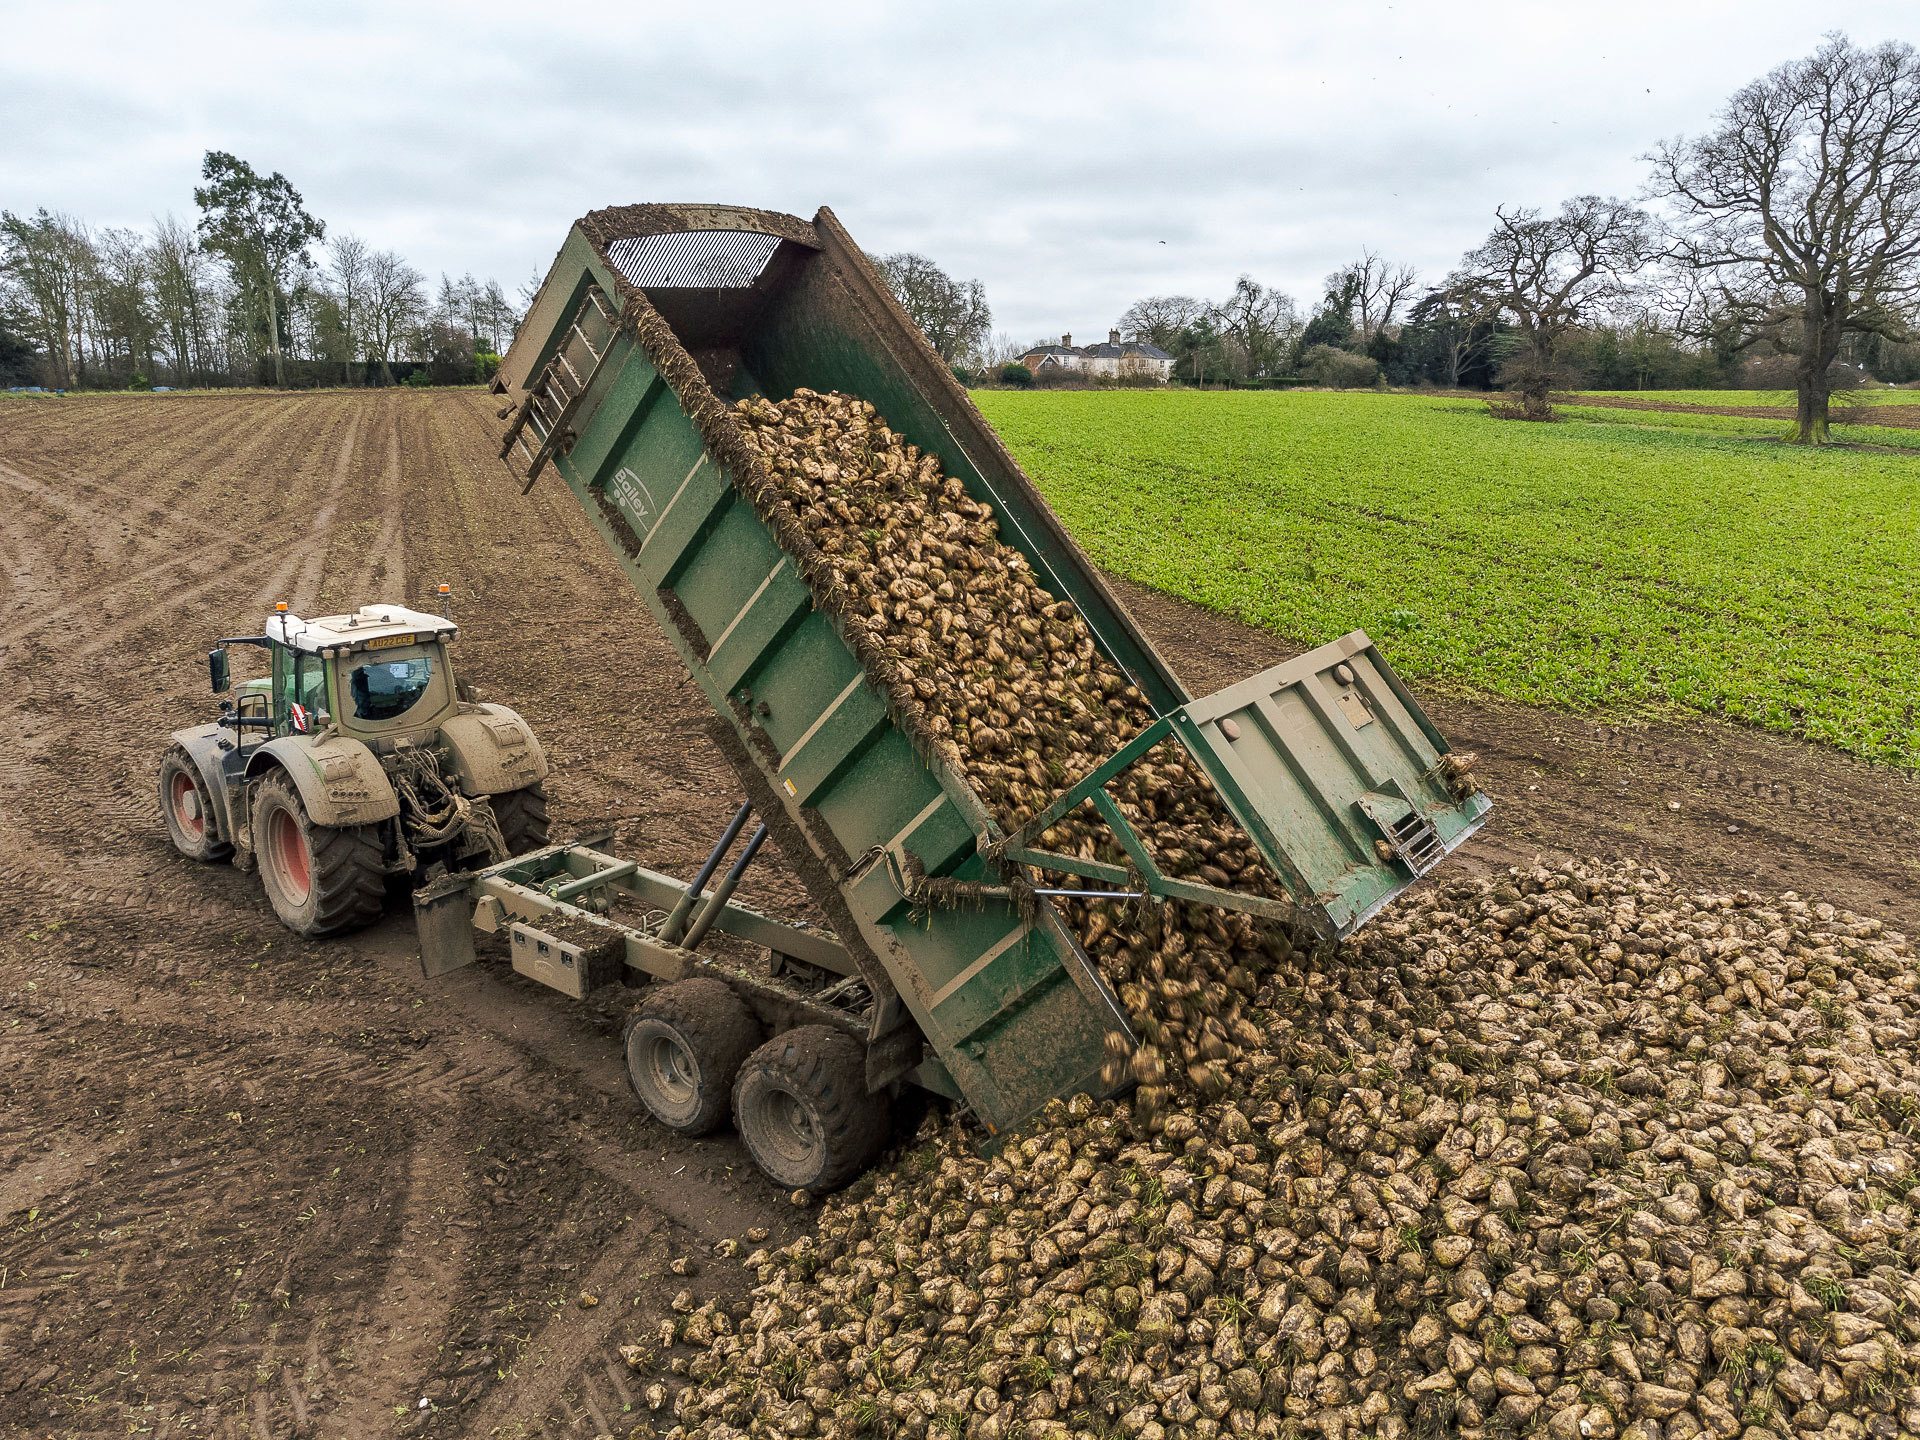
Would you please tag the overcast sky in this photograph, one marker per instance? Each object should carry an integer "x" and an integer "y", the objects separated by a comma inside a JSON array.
[{"x": 1072, "y": 156}]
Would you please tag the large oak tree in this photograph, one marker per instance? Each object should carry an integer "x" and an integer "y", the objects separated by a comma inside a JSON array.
[
  {"x": 1803, "y": 205},
  {"x": 952, "y": 314}
]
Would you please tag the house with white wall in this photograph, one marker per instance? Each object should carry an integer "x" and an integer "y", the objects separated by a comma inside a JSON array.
[{"x": 1116, "y": 358}]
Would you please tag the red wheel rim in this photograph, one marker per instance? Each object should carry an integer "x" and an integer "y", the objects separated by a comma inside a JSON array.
[
  {"x": 186, "y": 815},
  {"x": 287, "y": 848}
]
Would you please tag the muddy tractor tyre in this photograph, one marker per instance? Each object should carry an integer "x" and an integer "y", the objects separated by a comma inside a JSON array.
[
  {"x": 321, "y": 879},
  {"x": 684, "y": 1045},
  {"x": 523, "y": 818},
  {"x": 802, "y": 1107},
  {"x": 187, "y": 808}
]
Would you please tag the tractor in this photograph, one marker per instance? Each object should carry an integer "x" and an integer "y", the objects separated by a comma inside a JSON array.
[{"x": 356, "y": 762}]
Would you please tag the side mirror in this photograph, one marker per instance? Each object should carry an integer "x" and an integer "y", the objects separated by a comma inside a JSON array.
[{"x": 218, "y": 671}]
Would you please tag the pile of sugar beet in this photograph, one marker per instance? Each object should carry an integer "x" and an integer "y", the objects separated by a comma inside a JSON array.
[{"x": 1571, "y": 1150}]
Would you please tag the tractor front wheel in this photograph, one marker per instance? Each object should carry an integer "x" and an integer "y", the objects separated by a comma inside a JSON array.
[
  {"x": 187, "y": 807},
  {"x": 322, "y": 879}
]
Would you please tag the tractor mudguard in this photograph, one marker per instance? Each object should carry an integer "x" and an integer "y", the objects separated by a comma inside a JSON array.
[
  {"x": 207, "y": 746},
  {"x": 340, "y": 780},
  {"x": 494, "y": 750}
]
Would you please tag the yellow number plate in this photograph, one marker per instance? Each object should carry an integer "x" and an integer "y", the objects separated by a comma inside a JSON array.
[{"x": 387, "y": 642}]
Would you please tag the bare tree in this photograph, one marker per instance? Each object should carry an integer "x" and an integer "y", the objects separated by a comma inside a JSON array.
[
  {"x": 500, "y": 318},
  {"x": 183, "y": 299},
  {"x": 952, "y": 314},
  {"x": 1159, "y": 319},
  {"x": 350, "y": 261},
  {"x": 1259, "y": 323},
  {"x": 1804, "y": 204},
  {"x": 1551, "y": 273},
  {"x": 120, "y": 304},
  {"x": 1378, "y": 290},
  {"x": 394, "y": 306},
  {"x": 41, "y": 261}
]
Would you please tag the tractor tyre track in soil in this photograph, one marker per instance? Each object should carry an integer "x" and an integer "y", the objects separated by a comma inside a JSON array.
[{"x": 258, "y": 1186}]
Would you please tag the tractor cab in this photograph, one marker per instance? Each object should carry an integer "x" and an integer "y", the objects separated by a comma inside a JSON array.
[{"x": 379, "y": 674}]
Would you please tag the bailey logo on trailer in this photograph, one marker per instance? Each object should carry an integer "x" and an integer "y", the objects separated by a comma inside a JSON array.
[{"x": 629, "y": 492}]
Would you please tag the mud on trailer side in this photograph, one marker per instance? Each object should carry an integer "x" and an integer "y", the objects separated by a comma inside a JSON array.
[{"x": 652, "y": 320}]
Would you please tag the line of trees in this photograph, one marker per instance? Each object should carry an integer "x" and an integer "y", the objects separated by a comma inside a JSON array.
[
  {"x": 1782, "y": 249},
  {"x": 255, "y": 292}
]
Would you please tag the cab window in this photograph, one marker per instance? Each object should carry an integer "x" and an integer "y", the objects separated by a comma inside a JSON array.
[
  {"x": 387, "y": 689},
  {"x": 282, "y": 688},
  {"x": 310, "y": 683}
]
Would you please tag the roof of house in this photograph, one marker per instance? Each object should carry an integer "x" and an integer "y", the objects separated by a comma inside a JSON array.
[
  {"x": 1126, "y": 350},
  {"x": 1051, "y": 350}
]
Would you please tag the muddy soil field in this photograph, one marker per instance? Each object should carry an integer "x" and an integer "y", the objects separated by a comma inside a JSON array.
[{"x": 255, "y": 1186}]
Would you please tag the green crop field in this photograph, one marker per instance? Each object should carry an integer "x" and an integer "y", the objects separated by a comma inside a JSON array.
[
  {"x": 1615, "y": 562},
  {"x": 1755, "y": 427}
]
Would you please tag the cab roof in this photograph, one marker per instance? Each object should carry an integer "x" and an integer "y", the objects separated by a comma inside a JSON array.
[{"x": 368, "y": 623}]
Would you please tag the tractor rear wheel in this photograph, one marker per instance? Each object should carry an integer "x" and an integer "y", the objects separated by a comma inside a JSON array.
[
  {"x": 684, "y": 1046},
  {"x": 802, "y": 1106},
  {"x": 187, "y": 807},
  {"x": 523, "y": 818},
  {"x": 322, "y": 879}
]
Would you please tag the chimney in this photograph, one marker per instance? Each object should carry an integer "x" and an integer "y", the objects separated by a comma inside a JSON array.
[
  {"x": 1113, "y": 337},
  {"x": 1067, "y": 341}
]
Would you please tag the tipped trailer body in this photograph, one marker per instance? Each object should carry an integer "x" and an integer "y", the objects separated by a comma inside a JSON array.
[{"x": 652, "y": 321}]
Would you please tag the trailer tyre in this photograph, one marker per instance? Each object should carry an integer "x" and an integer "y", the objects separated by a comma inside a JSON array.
[
  {"x": 684, "y": 1045},
  {"x": 188, "y": 809},
  {"x": 801, "y": 1105},
  {"x": 321, "y": 879},
  {"x": 523, "y": 818}
]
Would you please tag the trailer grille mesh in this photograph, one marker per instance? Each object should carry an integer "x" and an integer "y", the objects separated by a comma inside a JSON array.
[{"x": 695, "y": 260}]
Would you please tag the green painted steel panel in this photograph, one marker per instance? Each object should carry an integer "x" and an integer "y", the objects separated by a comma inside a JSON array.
[
  {"x": 633, "y": 387},
  {"x": 798, "y": 681},
  {"x": 999, "y": 959},
  {"x": 684, "y": 518},
  {"x": 851, "y": 721},
  {"x": 1037, "y": 1051},
  {"x": 722, "y": 568},
  {"x": 873, "y": 797},
  {"x": 1312, "y": 756},
  {"x": 644, "y": 475},
  {"x": 779, "y": 602},
  {"x": 947, "y": 845}
]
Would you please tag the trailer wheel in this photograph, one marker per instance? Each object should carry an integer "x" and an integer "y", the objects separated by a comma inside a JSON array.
[
  {"x": 684, "y": 1045},
  {"x": 802, "y": 1106},
  {"x": 188, "y": 808},
  {"x": 321, "y": 879},
  {"x": 523, "y": 818}
]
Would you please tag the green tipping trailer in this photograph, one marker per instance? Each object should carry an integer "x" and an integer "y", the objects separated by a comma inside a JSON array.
[{"x": 652, "y": 321}]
